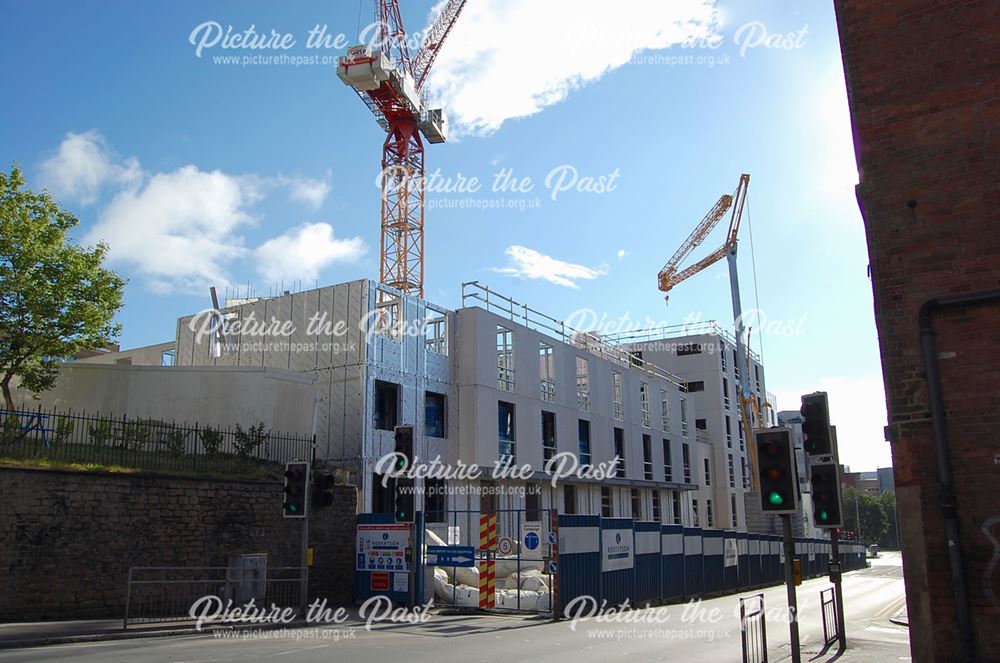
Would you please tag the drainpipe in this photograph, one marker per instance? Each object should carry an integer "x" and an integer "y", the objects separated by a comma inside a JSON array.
[{"x": 944, "y": 475}]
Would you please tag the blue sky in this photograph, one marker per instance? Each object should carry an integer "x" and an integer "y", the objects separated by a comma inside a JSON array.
[{"x": 199, "y": 172}]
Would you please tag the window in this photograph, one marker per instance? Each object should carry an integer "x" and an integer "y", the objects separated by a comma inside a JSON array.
[
  {"x": 732, "y": 502},
  {"x": 684, "y": 418},
  {"x": 436, "y": 334},
  {"x": 722, "y": 356},
  {"x": 668, "y": 466},
  {"x": 725, "y": 392},
  {"x": 435, "y": 504},
  {"x": 732, "y": 472},
  {"x": 619, "y": 452},
  {"x": 532, "y": 502},
  {"x": 696, "y": 386},
  {"x": 689, "y": 349},
  {"x": 701, "y": 424},
  {"x": 606, "y": 502},
  {"x": 386, "y": 405},
  {"x": 636, "y": 505},
  {"x": 729, "y": 432},
  {"x": 694, "y": 513},
  {"x": 743, "y": 473},
  {"x": 505, "y": 359},
  {"x": 644, "y": 403},
  {"x": 505, "y": 429},
  {"x": 488, "y": 496},
  {"x": 635, "y": 358},
  {"x": 647, "y": 458},
  {"x": 548, "y": 435},
  {"x": 569, "y": 499},
  {"x": 686, "y": 460},
  {"x": 434, "y": 414},
  {"x": 617, "y": 404},
  {"x": 582, "y": 384},
  {"x": 709, "y": 516},
  {"x": 736, "y": 364},
  {"x": 584, "y": 433},
  {"x": 664, "y": 411},
  {"x": 676, "y": 499},
  {"x": 387, "y": 318},
  {"x": 656, "y": 507},
  {"x": 708, "y": 473},
  {"x": 756, "y": 375},
  {"x": 547, "y": 370}
]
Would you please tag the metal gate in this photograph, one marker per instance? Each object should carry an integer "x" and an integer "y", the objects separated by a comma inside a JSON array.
[{"x": 498, "y": 561}]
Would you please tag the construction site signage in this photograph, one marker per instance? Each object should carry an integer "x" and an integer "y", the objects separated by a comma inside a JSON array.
[
  {"x": 383, "y": 547},
  {"x": 618, "y": 549},
  {"x": 531, "y": 539}
]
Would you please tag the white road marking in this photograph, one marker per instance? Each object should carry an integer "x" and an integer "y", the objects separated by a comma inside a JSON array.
[{"x": 296, "y": 651}]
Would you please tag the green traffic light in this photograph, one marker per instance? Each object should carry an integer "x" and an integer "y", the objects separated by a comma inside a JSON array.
[
  {"x": 823, "y": 515},
  {"x": 775, "y": 498}
]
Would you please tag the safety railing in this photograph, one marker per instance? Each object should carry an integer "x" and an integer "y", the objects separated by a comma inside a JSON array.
[
  {"x": 753, "y": 627},
  {"x": 171, "y": 594},
  {"x": 494, "y": 302},
  {"x": 829, "y": 611}
]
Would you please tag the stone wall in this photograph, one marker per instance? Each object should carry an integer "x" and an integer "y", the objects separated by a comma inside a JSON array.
[{"x": 67, "y": 539}]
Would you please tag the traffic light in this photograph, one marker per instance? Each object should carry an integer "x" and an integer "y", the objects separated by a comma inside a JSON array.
[
  {"x": 323, "y": 489},
  {"x": 404, "y": 500},
  {"x": 404, "y": 448},
  {"x": 776, "y": 471},
  {"x": 816, "y": 425},
  {"x": 296, "y": 487},
  {"x": 825, "y": 480}
]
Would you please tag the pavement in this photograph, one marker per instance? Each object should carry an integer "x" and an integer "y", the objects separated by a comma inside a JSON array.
[{"x": 706, "y": 631}]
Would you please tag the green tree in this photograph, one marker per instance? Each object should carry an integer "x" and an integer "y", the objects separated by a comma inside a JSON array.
[
  {"x": 874, "y": 521},
  {"x": 56, "y": 298}
]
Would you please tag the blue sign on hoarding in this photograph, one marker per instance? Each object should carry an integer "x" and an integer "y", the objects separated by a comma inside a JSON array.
[{"x": 451, "y": 556}]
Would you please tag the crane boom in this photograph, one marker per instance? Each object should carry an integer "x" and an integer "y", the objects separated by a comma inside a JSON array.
[
  {"x": 433, "y": 40},
  {"x": 701, "y": 231}
]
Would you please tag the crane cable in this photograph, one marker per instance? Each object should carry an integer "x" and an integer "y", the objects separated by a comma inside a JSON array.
[{"x": 756, "y": 294}]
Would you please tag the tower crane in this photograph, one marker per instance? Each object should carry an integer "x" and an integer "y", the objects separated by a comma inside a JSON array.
[
  {"x": 390, "y": 82},
  {"x": 671, "y": 275}
]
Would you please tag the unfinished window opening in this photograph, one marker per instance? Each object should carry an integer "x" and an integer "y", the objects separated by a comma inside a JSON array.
[
  {"x": 505, "y": 430},
  {"x": 617, "y": 402},
  {"x": 583, "y": 384},
  {"x": 619, "y": 452},
  {"x": 436, "y": 333},
  {"x": 644, "y": 404},
  {"x": 386, "y": 405},
  {"x": 547, "y": 370},
  {"x": 434, "y": 414},
  {"x": 505, "y": 359},
  {"x": 548, "y": 435}
]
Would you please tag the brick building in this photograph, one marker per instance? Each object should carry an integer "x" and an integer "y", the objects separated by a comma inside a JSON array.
[{"x": 924, "y": 94}]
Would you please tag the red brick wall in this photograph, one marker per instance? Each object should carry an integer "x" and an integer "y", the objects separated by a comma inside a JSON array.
[{"x": 924, "y": 91}]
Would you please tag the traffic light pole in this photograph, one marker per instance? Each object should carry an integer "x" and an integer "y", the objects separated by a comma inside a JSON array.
[
  {"x": 838, "y": 593},
  {"x": 793, "y": 610}
]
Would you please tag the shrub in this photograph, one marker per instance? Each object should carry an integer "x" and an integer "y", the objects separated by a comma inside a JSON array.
[
  {"x": 100, "y": 432},
  {"x": 248, "y": 441},
  {"x": 176, "y": 441},
  {"x": 11, "y": 430},
  {"x": 211, "y": 439},
  {"x": 64, "y": 429}
]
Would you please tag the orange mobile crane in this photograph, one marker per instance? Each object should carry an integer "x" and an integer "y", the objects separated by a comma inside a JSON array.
[{"x": 751, "y": 415}]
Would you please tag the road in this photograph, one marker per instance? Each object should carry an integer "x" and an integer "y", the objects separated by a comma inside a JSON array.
[{"x": 706, "y": 632}]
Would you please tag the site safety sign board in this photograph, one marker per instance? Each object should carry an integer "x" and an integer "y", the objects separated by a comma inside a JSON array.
[{"x": 383, "y": 547}]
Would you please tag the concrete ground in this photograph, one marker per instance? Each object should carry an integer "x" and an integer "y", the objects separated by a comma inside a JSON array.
[{"x": 708, "y": 631}]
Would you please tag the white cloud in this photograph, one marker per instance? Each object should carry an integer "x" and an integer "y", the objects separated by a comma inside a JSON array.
[
  {"x": 857, "y": 409},
  {"x": 527, "y": 263},
  {"x": 301, "y": 253},
  {"x": 180, "y": 229},
  {"x": 311, "y": 192},
  {"x": 82, "y": 165},
  {"x": 621, "y": 253},
  {"x": 506, "y": 59}
]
